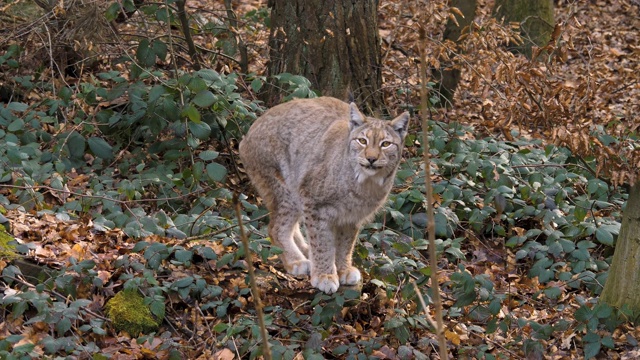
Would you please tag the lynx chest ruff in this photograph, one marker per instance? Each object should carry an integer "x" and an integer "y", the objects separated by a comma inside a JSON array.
[{"x": 321, "y": 163}]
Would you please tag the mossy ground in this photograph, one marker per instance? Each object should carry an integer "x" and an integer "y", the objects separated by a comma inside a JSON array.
[{"x": 129, "y": 313}]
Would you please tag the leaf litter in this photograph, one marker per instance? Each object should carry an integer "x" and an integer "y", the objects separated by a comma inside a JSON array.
[{"x": 602, "y": 47}]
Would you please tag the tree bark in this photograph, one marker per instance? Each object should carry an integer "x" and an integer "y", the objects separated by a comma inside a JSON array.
[
  {"x": 335, "y": 44},
  {"x": 186, "y": 31},
  {"x": 447, "y": 77},
  {"x": 535, "y": 17},
  {"x": 623, "y": 283}
]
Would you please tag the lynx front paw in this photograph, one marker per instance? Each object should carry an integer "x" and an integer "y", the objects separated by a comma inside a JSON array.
[
  {"x": 299, "y": 267},
  {"x": 350, "y": 276},
  {"x": 327, "y": 283}
]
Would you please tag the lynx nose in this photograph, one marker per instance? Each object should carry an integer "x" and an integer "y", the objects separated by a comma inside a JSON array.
[{"x": 371, "y": 160}]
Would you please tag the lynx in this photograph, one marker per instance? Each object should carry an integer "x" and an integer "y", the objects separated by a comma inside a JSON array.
[{"x": 322, "y": 164}]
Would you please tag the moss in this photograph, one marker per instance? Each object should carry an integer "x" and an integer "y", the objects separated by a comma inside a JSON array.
[
  {"x": 25, "y": 9},
  {"x": 7, "y": 248},
  {"x": 622, "y": 288},
  {"x": 129, "y": 313},
  {"x": 535, "y": 17}
]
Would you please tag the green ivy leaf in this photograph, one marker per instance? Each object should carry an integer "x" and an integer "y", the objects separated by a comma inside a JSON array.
[
  {"x": 208, "y": 253},
  {"x": 184, "y": 282},
  {"x": 455, "y": 252},
  {"x": 200, "y": 130},
  {"x": 579, "y": 212},
  {"x": 603, "y": 311},
  {"x": 192, "y": 113},
  {"x": 63, "y": 325},
  {"x": 220, "y": 327},
  {"x": 17, "y": 106},
  {"x": 144, "y": 54},
  {"x": 591, "y": 349},
  {"x": 608, "y": 342},
  {"x": 157, "y": 307},
  {"x": 256, "y": 84},
  {"x": 139, "y": 246},
  {"x": 100, "y": 148},
  {"x": 184, "y": 255},
  {"x": 77, "y": 145},
  {"x": 553, "y": 292},
  {"x": 604, "y": 236},
  {"x": 216, "y": 172},
  {"x": 583, "y": 314},
  {"x": 194, "y": 84},
  {"x": 225, "y": 260},
  {"x": 176, "y": 233},
  {"x": 204, "y": 99},
  {"x": 112, "y": 11},
  {"x": 156, "y": 92},
  {"x": 159, "y": 49},
  {"x": 208, "y": 155},
  {"x": 16, "y": 125}
]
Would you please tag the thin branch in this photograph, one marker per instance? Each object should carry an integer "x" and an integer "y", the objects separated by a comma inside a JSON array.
[
  {"x": 585, "y": 166},
  {"x": 242, "y": 47},
  {"x": 54, "y": 293},
  {"x": 219, "y": 231},
  {"x": 186, "y": 31},
  {"x": 255, "y": 292},
  {"x": 122, "y": 202},
  {"x": 424, "y": 306},
  {"x": 433, "y": 259},
  {"x": 626, "y": 86}
]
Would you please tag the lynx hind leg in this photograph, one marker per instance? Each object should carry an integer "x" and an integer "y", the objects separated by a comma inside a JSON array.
[
  {"x": 300, "y": 241},
  {"x": 283, "y": 225},
  {"x": 282, "y": 229},
  {"x": 345, "y": 239}
]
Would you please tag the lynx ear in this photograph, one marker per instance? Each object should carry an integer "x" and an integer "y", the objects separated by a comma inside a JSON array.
[
  {"x": 401, "y": 124},
  {"x": 355, "y": 117}
]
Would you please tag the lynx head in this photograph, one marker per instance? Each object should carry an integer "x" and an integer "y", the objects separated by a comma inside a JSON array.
[{"x": 376, "y": 145}]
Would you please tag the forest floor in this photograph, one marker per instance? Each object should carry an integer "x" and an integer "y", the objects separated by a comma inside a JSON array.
[{"x": 602, "y": 41}]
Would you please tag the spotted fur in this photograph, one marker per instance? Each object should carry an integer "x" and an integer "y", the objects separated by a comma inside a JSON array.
[{"x": 321, "y": 163}]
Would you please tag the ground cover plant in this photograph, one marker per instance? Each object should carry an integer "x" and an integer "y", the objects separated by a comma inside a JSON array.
[{"x": 119, "y": 177}]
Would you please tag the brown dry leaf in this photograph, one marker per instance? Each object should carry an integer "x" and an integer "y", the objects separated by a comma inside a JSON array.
[
  {"x": 452, "y": 336},
  {"x": 224, "y": 354},
  {"x": 78, "y": 251},
  {"x": 617, "y": 52}
]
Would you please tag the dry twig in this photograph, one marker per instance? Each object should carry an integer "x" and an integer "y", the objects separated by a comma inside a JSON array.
[
  {"x": 433, "y": 260},
  {"x": 255, "y": 292}
]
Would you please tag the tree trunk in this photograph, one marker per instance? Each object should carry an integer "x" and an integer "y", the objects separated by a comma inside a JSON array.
[
  {"x": 623, "y": 283},
  {"x": 535, "y": 18},
  {"x": 335, "y": 44},
  {"x": 447, "y": 77},
  {"x": 186, "y": 31}
]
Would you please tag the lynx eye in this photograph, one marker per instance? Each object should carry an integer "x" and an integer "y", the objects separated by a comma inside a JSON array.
[
  {"x": 385, "y": 144},
  {"x": 362, "y": 141}
]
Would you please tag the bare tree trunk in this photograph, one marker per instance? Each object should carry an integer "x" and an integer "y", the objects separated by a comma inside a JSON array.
[
  {"x": 535, "y": 17},
  {"x": 335, "y": 44},
  {"x": 237, "y": 40},
  {"x": 447, "y": 77},
  {"x": 623, "y": 283},
  {"x": 186, "y": 31}
]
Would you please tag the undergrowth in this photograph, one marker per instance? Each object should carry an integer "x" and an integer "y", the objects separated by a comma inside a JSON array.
[
  {"x": 534, "y": 212},
  {"x": 521, "y": 227}
]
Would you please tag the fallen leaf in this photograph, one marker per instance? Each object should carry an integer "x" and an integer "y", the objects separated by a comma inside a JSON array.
[{"x": 224, "y": 354}]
